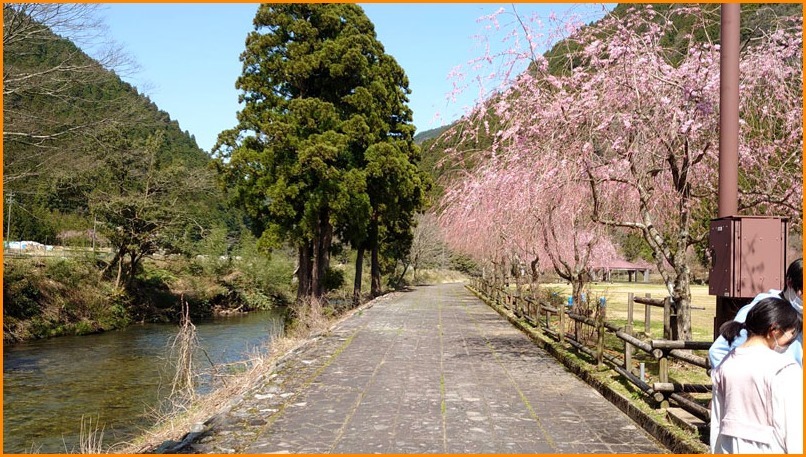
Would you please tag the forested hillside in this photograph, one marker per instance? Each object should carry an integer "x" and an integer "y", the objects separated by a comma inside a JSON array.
[
  {"x": 70, "y": 126},
  {"x": 96, "y": 169}
]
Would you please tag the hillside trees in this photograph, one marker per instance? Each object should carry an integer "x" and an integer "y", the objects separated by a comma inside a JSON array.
[
  {"x": 635, "y": 113},
  {"x": 145, "y": 201},
  {"x": 323, "y": 136},
  {"x": 53, "y": 94},
  {"x": 82, "y": 148},
  {"x": 65, "y": 114}
]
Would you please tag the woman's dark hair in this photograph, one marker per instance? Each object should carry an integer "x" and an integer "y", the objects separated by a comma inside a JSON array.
[
  {"x": 794, "y": 274},
  {"x": 768, "y": 314}
]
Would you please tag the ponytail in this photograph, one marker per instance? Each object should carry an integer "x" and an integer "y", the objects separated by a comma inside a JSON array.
[{"x": 730, "y": 330}]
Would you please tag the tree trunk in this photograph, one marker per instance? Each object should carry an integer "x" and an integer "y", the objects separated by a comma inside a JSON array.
[
  {"x": 111, "y": 263},
  {"x": 375, "y": 266},
  {"x": 120, "y": 273},
  {"x": 516, "y": 270},
  {"x": 304, "y": 271},
  {"x": 534, "y": 284},
  {"x": 321, "y": 255},
  {"x": 116, "y": 260},
  {"x": 579, "y": 307},
  {"x": 402, "y": 275},
  {"x": 681, "y": 307},
  {"x": 134, "y": 259},
  {"x": 359, "y": 267}
]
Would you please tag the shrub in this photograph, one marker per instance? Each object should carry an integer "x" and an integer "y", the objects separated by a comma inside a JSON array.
[
  {"x": 334, "y": 279},
  {"x": 84, "y": 328},
  {"x": 21, "y": 296},
  {"x": 73, "y": 273},
  {"x": 464, "y": 264}
]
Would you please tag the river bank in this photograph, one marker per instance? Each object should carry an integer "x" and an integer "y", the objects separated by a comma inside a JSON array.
[
  {"x": 48, "y": 297},
  {"x": 119, "y": 380},
  {"x": 171, "y": 432},
  {"x": 160, "y": 424}
]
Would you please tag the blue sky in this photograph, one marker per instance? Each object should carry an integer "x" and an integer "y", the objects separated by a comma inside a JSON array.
[{"x": 188, "y": 54}]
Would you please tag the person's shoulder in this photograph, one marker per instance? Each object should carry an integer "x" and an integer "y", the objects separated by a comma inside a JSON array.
[
  {"x": 780, "y": 362},
  {"x": 746, "y": 308},
  {"x": 772, "y": 293}
]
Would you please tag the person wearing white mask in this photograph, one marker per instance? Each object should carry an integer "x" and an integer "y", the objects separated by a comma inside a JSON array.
[
  {"x": 793, "y": 293},
  {"x": 757, "y": 404}
]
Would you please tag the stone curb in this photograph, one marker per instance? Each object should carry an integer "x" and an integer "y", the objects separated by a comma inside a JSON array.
[{"x": 658, "y": 430}]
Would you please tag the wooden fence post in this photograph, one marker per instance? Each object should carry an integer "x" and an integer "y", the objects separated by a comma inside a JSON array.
[
  {"x": 627, "y": 346},
  {"x": 663, "y": 368},
  {"x": 663, "y": 376},
  {"x": 667, "y": 317},
  {"x": 561, "y": 310},
  {"x": 600, "y": 333},
  {"x": 647, "y": 316},
  {"x": 537, "y": 311}
]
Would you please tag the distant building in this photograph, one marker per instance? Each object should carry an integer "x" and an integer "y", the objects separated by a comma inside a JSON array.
[
  {"x": 26, "y": 246},
  {"x": 605, "y": 272}
]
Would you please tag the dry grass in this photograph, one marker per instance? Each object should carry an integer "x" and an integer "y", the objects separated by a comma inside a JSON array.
[
  {"x": 435, "y": 276},
  {"x": 181, "y": 350},
  {"x": 91, "y": 437}
]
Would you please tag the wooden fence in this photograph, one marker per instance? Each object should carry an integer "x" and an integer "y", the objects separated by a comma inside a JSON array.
[{"x": 556, "y": 323}]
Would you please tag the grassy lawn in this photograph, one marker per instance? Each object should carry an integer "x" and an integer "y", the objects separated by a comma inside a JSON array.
[{"x": 616, "y": 295}]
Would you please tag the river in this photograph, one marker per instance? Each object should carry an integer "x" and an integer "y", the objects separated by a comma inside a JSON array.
[{"x": 115, "y": 378}]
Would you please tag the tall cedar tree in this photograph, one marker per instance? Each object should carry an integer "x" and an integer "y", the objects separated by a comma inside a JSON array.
[{"x": 319, "y": 96}]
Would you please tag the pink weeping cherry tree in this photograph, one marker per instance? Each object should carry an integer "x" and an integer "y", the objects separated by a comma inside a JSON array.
[
  {"x": 631, "y": 125},
  {"x": 514, "y": 207},
  {"x": 649, "y": 119}
]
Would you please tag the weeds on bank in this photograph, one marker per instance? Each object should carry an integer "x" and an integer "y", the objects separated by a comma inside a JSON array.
[
  {"x": 91, "y": 437},
  {"x": 181, "y": 350}
]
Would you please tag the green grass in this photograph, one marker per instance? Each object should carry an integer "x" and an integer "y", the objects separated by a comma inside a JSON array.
[{"x": 702, "y": 320}]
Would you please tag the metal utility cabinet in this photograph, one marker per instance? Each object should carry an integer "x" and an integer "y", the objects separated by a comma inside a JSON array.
[{"x": 748, "y": 256}]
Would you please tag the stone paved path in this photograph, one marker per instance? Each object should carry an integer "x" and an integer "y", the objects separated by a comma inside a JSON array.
[{"x": 433, "y": 370}]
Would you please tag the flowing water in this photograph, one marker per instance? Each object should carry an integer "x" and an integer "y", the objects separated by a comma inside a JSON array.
[{"x": 116, "y": 378}]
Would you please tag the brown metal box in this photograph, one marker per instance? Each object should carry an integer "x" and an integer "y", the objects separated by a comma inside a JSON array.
[{"x": 748, "y": 255}]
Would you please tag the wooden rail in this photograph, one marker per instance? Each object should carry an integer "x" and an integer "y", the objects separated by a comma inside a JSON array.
[{"x": 552, "y": 322}]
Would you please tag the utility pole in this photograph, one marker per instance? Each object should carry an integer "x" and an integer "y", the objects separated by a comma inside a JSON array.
[
  {"x": 729, "y": 111},
  {"x": 728, "y": 196},
  {"x": 94, "y": 231},
  {"x": 10, "y": 201}
]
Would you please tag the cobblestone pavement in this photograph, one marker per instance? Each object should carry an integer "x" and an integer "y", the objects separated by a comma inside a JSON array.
[{"x": 434, "y": 370}]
